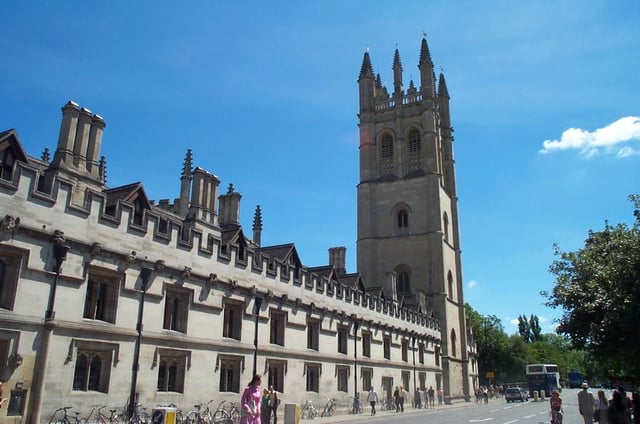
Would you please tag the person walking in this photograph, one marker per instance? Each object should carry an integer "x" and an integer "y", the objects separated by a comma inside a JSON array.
[
  {"x": 274, "y": 402},
  {"x": 617, "y": 412},
  {"x": 396, "y": 398},
  {"x": 401, "y": 395},
  {"x": 431, "y": 396},
  {"x": 265, "y": 411},
  {"x": 440, "y": 397},
  {"x": 555, "y": 407},
  {"x": 250, "y": 402},
  {"x": 372, "y": 398},
  {"x": 586, "y": 404},
  {"x": 601, "y": 408}
]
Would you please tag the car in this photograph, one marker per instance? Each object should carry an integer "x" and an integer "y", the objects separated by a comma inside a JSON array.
[{"x": 513, "y": 394}]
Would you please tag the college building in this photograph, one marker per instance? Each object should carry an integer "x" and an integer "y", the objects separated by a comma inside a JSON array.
[{"x": 108, "y": 296}]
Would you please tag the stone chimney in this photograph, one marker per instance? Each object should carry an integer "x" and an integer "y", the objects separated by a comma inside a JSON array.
[
  {"x": 337, "y": 259},
  {"x": 229, "y": 207}
]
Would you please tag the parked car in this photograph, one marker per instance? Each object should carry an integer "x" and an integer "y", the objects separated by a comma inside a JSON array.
[{"x": 513, "y": 394}]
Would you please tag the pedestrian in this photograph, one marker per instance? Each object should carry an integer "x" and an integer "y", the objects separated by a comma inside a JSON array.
[
  {"x": 372, "y": 398},
  {"x": 555, "y": 407},
  {"x": 274, "y": 402},
  {"x": 416, "y": 399},
  {"x": 401, "y": 396},
  {"x": 601, "y": 408},
  {"x": 440, "y": 397},
  {"x": 431, "y": 397},
  {"x": 396, "y": 398},
  {"x": 265, "y": 411},
  {"x": 250, "y": 402},
  {"x": 586, "y": 404},
  {"x": 617, "y": 412}
]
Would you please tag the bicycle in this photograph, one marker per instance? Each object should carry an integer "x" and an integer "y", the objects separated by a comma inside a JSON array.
[
  {"x": 139, "y": 417},
  {"x": 100, "y": 417},
  {"x": 309, "y": 411},
  {"x": 357, "y": 406},
  {"x": 197, "y": 415},
  {"x": 221, "y": 415},
  {"x": 234, "y": 413},
  {"x": 329, "y": 408},
  {"x": 556, "y": 416},
  {"x": 65, "y": 419}
]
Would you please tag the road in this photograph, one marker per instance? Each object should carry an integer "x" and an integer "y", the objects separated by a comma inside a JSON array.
[{"x": 496, "y": 412}]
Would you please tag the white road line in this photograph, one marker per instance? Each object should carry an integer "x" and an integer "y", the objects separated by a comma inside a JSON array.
[
  {"x": 512, "y": 421},
  {"x": 494, "y": 410},
  {"x": 529, "y": 416},
  {"x": 480, "y": 421}
]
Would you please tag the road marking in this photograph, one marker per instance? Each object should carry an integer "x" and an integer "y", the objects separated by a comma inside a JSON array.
[
  {"x": 529, "y": 416},
  {"x": 512, "y": 421},
  {"x": 480, "y": 421},
  {"x": 494, "y": 410}
]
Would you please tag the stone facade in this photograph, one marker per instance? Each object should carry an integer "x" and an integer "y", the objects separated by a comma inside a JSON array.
[{"x": 94, "y": 279}]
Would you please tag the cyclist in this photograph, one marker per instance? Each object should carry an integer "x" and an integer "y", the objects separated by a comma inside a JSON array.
[{"x": 555, "y": 404}]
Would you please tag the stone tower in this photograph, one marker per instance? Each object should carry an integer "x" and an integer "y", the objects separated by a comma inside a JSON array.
[{"x": 408, "y": 207}]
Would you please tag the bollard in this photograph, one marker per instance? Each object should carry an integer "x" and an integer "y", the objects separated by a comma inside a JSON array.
[
  {"x": 542, "y": 393},
  {"x": 291, "y": 413},
  {"x": 535, "y": 395}
]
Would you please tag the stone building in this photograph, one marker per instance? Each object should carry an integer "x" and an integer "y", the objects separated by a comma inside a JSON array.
[{"x": 108, "y": 296}]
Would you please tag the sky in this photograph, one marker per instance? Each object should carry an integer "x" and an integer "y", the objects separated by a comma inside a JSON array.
[{"x": 544, "y": 103}]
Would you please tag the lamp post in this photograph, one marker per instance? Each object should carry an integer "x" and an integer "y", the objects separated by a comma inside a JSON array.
[
  {"x": 257, "y": 306},
  {"x": 356, "y": 326},
  {"x": 145, "y": 275},
  {"x": 60, "y": 255}
]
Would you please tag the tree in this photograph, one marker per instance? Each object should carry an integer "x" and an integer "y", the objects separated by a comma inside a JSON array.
[
  {"x": 598, "y": 289},
  {"x": 524, "y": 329},
  {"x": 491, "y": 342},
  {"x": 530, "y": 329}
]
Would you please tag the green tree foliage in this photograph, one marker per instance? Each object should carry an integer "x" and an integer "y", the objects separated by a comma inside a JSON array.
[
  {"x": 529, "y": 329},
  {"x": 598, "y": 290}
]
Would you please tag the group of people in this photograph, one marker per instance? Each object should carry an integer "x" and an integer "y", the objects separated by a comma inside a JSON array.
[
  {"x": 427, "y": 398},
  {"x": 620, "y": 409},
  {"x": 258, "y": 406}
]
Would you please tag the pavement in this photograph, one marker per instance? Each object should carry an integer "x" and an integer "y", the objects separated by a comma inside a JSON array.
[{"x": 342, "y": 415}]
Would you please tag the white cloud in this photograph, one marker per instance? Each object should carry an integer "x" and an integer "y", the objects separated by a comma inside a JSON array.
[
  {"x": 607, "y": 140},
  {"x": 472, "y": 284}
]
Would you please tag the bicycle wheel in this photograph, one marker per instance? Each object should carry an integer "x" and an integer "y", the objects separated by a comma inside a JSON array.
[
  {"x": 234, "y": 415},
  {"x": 221, "y": 417}
]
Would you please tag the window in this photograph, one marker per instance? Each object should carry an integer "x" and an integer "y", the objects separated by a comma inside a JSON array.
[
  {"x": 403, "y": 283},
  {"x": 5, "y": 346},
  {"x": 453, "y": 343},
  {"x": 366, "y": 344},
  {"x": 6, "y": 162},
  {"x": 176, "y": 309},
  {"x": 313, "y": 334},
  {"x": 17, "y": 401},
  {"x": 342, "y": 339},
  {"x": 415, "y": 147},
  {"x": 138, "y": 211},
  {"x": 436, "y": 354},
  {"x": 9, "y": 270},
  {"x": 171, "y": 371},
  {"x": 405, "y": 380},
  {"x": 312, "y": 372},
  {"x": 450, "y": 285},
  {"x": 422, "y": 378},
  {"x": 445, "y": 227},
  {"x": 386, "y": 343},
  {"x": 276, "y": 374},
  {"x": 405, "y": 348},
  {"x": 367, "y": 378},
  {"x": 101, "y": 300},
  {"x": 421, "y": 353},
  {"x": 92, "y": 369},
  {"x": 232, "y": 324},
  {"x": 403, "y": 219},
  {"x": 342, "y": 374},
  {"x": 386, "y": 155},
  {"x": 230, "y": 374},
  {"x": 278, "y": 323}
]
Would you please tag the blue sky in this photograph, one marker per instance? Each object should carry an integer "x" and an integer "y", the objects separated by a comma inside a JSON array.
[{"x": 544, "y": 102}]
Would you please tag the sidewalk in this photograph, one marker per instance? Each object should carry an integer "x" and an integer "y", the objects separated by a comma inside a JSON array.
[{"x": 342, "y": 416}]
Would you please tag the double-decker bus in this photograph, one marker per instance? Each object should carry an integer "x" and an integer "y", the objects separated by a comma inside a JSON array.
[
  {"x": 574, "y": 379},
  {"x": 543, "y": 378}
]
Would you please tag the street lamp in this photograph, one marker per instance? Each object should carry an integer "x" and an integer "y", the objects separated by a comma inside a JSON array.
[
  {"x": 257, "y": 306},
  {"x": 60, "y": 255},
  {"x": 145, "y": 275},
  {"x": 356, "y": 325}
]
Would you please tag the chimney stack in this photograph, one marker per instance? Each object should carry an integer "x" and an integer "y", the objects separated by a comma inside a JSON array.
[{"x": 337, "y": 259}]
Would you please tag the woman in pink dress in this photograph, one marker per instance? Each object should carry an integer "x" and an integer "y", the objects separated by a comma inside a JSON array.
[{"x": 250, "y": 402}]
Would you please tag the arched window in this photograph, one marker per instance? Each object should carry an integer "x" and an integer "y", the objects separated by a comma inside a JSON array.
[
  {"x": 386, "y": 155},
  {"x": 402, "y": 218},
  {"x": 450, "y": 285},
  {"x": 445, "y": 226},
  {"x": 404, "y": 286},
  {"x": 453, "y": 343},
  {"x": 414, "y": 150}
]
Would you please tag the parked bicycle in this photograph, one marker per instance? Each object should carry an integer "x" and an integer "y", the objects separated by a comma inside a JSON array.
[
  {"x": 65, "y": 418},
  {"x": 308, "y": 411},
  {"x": 226, "y": 415},
  {"x": 198, "y": 415},
  {"x": 329, "y": 408},
  {"x": 140, "y": 415}
]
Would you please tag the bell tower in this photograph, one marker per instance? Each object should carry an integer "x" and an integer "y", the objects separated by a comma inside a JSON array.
[{"x": 408, "y": 206}]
